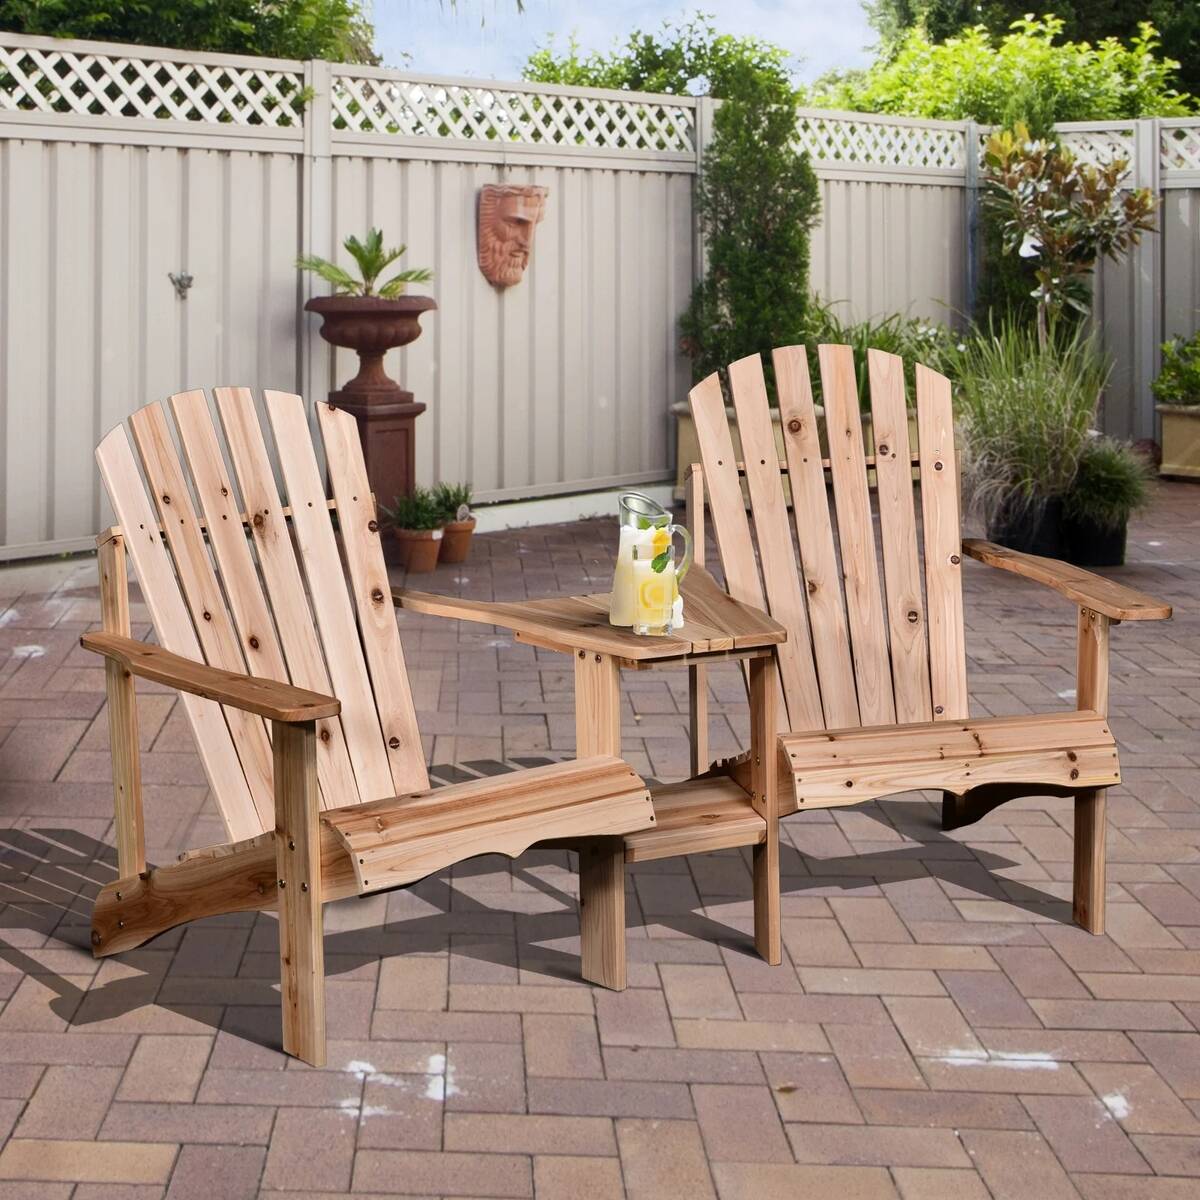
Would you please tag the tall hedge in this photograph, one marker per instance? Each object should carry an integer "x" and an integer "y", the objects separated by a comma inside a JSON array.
[{"x": 757, "y": 201}]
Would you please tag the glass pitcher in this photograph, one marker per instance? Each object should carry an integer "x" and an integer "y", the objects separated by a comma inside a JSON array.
[{"x": 647, "y": 533}]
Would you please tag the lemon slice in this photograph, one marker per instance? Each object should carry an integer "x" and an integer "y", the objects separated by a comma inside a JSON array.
[
  {"x": 660, "y": 541},
  {"x": 652, "y": 594}
]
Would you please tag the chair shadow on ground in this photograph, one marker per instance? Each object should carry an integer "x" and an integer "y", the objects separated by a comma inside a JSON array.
[{"x": 49, "y": 878}]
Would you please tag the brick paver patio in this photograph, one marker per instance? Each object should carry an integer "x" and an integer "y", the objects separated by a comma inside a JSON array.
[{"x": 938, "y": 1028}]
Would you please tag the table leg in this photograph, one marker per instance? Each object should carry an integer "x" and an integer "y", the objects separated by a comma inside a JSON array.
[
  {"x": 764, "y": 785},
  {"x": 601, "y": 860}
]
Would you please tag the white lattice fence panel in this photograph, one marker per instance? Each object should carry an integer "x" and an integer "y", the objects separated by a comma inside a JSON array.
[
  {"x": 845, "y": 139},
  {"x": 1180, "y": 148},
  {"x": 1098, "y": 146},
  {"x": 64, "y": 81},
  {"x": 366, "y": 104}
]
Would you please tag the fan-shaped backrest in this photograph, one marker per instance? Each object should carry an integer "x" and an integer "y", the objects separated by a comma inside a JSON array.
[
  {"x": 254, "y": 582},
  {"x": 865, "y": 646}
]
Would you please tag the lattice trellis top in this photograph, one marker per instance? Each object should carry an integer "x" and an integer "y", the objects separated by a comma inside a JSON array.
[
  {"x": 511, "y": 113},
  {"x": 34, "y": 78},
  {"x": 848, "y": 138}
]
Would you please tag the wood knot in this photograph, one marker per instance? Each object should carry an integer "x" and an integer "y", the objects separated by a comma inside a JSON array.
[
  {"x": 207, "y": 615},
  {"x": 324, "y": 735},
  {"x": 1072, "y": 756},
  {"x": 258, "y": 520},
  {"x": 253, "y": 642},
  {"x": 794, "y": 425},
  {"x": 811, "y": 584}
]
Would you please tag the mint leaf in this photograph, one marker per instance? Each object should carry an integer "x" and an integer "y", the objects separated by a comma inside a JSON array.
[
  {"x": 645, "y": 523},
  {"x": 659, "y": 561}
]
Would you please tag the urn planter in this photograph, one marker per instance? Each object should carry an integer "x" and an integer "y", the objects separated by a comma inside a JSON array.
[{"x": 386, "y": 413}]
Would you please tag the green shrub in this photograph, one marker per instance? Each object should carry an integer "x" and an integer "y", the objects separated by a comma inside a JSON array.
[
  {"x": 1179, "y": 380},
  {"x": 757, "y": 202},
  {"x": 1025, "y": 409},
  {"x": 451, "y": 499},
  {"x": 1112, "y": 483},
  {"x": 1028, "y": 74},
  {"x": 914, "y": 340},
  {"x": 418, "y": 511}
]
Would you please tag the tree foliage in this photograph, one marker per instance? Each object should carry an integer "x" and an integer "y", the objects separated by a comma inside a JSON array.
[
  {"x": 1083, "y": 21},
  {"x": 683, "y": 58},
  {"x": 1027, "y": 74},
  {"x": 330, "y": 29},
  {"x": 757, "y": 202}
]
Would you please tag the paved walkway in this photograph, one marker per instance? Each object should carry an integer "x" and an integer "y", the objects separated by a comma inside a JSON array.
[{"x": 938, "y": 1028}]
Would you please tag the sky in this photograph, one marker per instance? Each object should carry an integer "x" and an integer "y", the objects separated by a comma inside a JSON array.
[{"x": 444, "y": 39}]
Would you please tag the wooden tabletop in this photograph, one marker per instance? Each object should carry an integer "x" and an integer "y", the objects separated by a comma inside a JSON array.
[{"x": 715, "y": 622}]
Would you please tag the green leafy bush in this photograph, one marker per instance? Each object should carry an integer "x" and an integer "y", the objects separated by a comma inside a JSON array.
[
  {"x": 372, "y": 260},
  {"x": 757, "y": 202},
  {"x": 683, "y": 58},
  {"x": 914, "y": 340},
  {"x": 1025, "y": 408},
  {"x": 1061, "y": 214},
  {"x": 416, "y": 512},
  {"x": 1111, "y": 483},
  {"x": 1179, "y": 380},
  {"x": 451, "y": 499},
  {"x": 1028, "y": 74}
]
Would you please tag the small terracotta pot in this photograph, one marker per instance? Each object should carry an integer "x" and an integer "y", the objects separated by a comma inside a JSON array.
[
  {"x": 418, "y": 549},
  {"x": 456, "y": 541}
]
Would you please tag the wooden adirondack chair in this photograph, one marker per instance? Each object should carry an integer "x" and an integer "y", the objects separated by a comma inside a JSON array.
[
  {"x": 332, "y": 799},
  {"x": 874, "y": 677}
]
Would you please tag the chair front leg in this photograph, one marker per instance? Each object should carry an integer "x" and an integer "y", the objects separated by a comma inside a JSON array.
[
  {"x": 298, "y": 868},
  {"x": 1091, "y": 692}
]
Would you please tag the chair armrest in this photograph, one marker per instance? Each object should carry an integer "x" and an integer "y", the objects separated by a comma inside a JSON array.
[
  {"x": 266, "y": 697},
  {"x": 1113, "y": 600}
]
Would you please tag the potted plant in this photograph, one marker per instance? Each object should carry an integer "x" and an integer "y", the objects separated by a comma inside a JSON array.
[
  {"x": 416, "y": 521},
  {"x": 1025, "y": 410},
  {"x": 1110, "y": 485},
  {"x": 454, "y": 503},
  {"x": 1177, "y": 390},
  {"x": 364, "y": 314}
]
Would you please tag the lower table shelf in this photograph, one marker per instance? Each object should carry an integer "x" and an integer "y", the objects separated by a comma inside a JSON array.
[{"x": 696, "y": 816}]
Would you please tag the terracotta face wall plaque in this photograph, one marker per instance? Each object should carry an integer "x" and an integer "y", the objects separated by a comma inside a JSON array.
[{"x": 508, "y": 215}]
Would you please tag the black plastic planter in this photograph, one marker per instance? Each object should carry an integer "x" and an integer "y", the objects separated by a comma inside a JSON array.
[
  {"x": 1087, "y": 544},
  {"x": 1035, "y": 529}
]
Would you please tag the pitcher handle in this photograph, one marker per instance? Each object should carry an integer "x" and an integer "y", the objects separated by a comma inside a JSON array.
[{"x": 685, "y": 564}]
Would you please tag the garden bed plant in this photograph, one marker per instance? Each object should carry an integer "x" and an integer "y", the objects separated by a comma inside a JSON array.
[{"x": 416, "y": 521}]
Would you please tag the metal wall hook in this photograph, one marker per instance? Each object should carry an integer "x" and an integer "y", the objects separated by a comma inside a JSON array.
[{"x": 182, "y": 281}]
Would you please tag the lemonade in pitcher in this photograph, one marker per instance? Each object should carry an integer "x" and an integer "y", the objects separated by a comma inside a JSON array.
[{"x": 645, "y": 593}]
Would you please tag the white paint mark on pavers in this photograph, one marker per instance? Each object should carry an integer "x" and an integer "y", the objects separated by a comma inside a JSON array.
[
  {"x": 29, "y": 651},
  {"x": 439, "y": 1079},
  {"x": 1118, "y": 1104},
  {"x": 1066, "y": 694},
  {"x": 1031, "y": 1061},
  {"x": 10, "y": 616}
]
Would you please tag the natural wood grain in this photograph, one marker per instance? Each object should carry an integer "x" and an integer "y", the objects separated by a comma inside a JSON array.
[
  {"x": 764, "y": 796},
  {"x": 394, "y": 842},
  {"x": 122, "y": 713},
  {"x": 1111, "y": 599},
  {"x": 849, "y": 766},
  {"x": 322, "y": 567},
  {"x": 1091, "y": 692},
  {"x": 282, "y": 583},
  {"x": 898, "y": 533},
  {"x": 856, "y": 536},
  {"x": 201, "y": 591},
  {"x": 714, "y": 621},
  {"x": 298, "y": 866},
  {"x": 814, "y": 533},
  {"x": 601, "y": 861},
  {"x": 369, "y": 586},
  {"x": 173, "y": 626},
  {"x": 697, "y": 816},
  {"x": 773, "y": 535},
  {"x": 246, "y": 693},
  {"x": 697, "y": 673},
  {"x": 942, "y": 532}
]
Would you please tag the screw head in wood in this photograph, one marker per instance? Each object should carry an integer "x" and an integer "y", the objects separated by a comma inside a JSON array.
[
  {"x": 794, "y": 425},
  {"x": 939, "y": 710},
  {"x": 283, "y": 883},
  {"x": 883, "y": 449},
  {"x": 373, "y": 526},
  {"x": 937, "y": 466},
  {"x": 912, "y": 616},
  {"x": 1074, "y": 772},
  {"x": 304, "y": 887},
  {"x": 955, "y": 560},
  {"x": 394, "y": 743},
  {"x": 291, "y": 844},
  {"x": 377, "y": 596},
  {"x": 118, "y": 895}
]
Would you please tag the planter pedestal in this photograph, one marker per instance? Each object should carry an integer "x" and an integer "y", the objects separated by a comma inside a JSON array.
[{"x": 387, "y": 431}]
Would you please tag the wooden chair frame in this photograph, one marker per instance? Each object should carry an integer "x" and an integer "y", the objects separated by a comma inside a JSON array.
[
  {"x": 316, "y": 842},
  {"x": 838, "y": 751}
]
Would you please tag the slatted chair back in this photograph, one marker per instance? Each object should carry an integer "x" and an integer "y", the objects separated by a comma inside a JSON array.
[
  {"x": 248, "y": 576},
  {"x": 874, "y": 638}
]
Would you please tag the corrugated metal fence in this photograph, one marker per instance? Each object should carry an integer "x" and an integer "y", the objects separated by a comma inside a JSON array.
[{"x": 120, "y": 165}]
